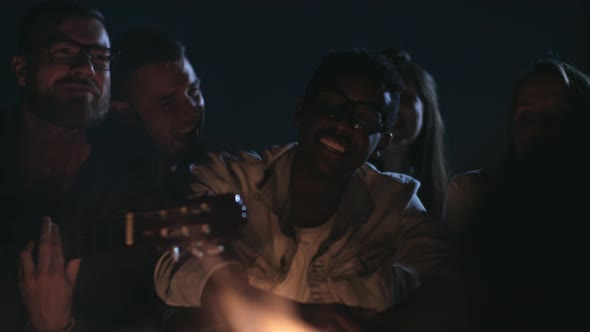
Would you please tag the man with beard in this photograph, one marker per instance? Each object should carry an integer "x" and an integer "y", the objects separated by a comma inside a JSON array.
[
  {"x": 324, "y": 227},
  {"x": 53, "y": 176}
]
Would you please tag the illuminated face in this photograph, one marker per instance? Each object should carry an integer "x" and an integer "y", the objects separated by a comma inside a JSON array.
[
  {"x": 408, "y": 123},
  {"x": 68, "y": 84},
  {"x": 168, "y": 98},
  {"x": 340, "y": 125},
  {"x": 542, "y": 113}
]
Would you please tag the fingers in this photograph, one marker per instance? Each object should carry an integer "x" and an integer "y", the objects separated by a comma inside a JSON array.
[
  {"x": 72, "y": 269},
  {"x": 51, "y": 257},
  {"x": 26, "y": 266},
  {"x": 45, "y": 246},
  {"x": 56, "y": 264},
  {"x": 198, "y": 248},
  {"x": 201, "y": 249}
]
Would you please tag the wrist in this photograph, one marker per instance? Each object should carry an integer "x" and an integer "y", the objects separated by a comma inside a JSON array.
[{"x": 67, "y": 328}]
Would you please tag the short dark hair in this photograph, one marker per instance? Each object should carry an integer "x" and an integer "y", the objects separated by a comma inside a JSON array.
[
  {"x": 140, "y": 47},
  {"x": 365, "y": 63},
  {"x": 39, "y": 19}
]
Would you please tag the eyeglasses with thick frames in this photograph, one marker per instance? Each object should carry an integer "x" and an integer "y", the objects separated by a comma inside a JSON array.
[
  {"x": 68, "y": 51},
  {"x": 362, "y": 116}
]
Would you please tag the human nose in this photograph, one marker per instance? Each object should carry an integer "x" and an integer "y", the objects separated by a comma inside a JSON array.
[
  {"x": 82, "y": 66},
  {"x": 192, "y": 109}
]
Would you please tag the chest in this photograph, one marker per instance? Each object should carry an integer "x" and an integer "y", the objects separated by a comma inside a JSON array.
[
  {"x": 338, "y": 251},
  {"x": 313, "y": 209}
]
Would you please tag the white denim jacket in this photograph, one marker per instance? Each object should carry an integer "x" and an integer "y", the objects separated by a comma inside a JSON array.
[{"x": 379, "y": 223}]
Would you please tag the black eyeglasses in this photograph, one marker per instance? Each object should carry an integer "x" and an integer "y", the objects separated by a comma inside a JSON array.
[
  {"x": 361, "y": 115},
  {"x": 68, "y": 52}
]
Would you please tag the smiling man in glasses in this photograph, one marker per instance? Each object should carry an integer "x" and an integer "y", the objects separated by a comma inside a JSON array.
[
  {"x": 64, "y": 71},
  {"x": 324, "y": 227},
  {"x": 51, "y": 169}
]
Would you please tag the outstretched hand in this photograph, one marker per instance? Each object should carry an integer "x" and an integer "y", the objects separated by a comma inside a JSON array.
[{"x": 47, "y": 287}]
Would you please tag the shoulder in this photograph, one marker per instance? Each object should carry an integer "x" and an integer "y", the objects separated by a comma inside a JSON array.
[
  {"x": 235, "y": 171},
  {"x": 376, "y": 179},
  {"x": 391, "y": 191},
  {"x": 472, "y": 181},
  {"x": 242, "y": 159},
  {"x": 465, "y": 191}
]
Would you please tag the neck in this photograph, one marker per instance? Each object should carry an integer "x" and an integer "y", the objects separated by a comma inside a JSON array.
[
  {"x": 35, "y": 128},
  {"x": 305, "y": 178},
  {"x": 48, "y": 150},
  {"x": 397, "y": 159},
  {"x": 314, "y": 197}
]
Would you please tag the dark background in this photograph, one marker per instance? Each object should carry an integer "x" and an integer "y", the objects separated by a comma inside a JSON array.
[{"x": 254, "y": 57}]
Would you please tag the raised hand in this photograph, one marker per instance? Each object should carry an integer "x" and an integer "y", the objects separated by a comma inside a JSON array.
[{"x": 47, "y": 286}]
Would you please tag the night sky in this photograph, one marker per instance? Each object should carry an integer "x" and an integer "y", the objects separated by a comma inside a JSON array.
[{"x": 254, "y": 57}]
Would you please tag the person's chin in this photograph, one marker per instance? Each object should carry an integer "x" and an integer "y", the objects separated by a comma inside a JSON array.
[
  {"x": 79, "y": 119},
  {"x": 332, "y": 168},
  {"x": 77, "y": 97},
  {"x": 185, "y": 152}
]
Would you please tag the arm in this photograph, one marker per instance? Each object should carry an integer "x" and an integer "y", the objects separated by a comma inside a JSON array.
[
  {"x": 439, "y": 303},
  {"x": 229, "y": 300},
  {"x": 181, "y": 283},
  {"x": 223, "y": 292}
]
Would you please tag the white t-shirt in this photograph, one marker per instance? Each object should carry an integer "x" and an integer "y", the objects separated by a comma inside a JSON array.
[{"x": 295, "y": 286}]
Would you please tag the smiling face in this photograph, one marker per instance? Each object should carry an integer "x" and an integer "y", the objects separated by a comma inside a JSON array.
[
  {"x": 410, "y": 118},
  {"x": 168, "y": 98},
  {"x": 70, "y": 94},
  {"x": 542, "y": 114},
  {"x": 336, "y": 143}
]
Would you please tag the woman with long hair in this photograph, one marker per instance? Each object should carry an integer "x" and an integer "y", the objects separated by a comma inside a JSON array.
[
  {"x": 418, "y": 147},
  {"x": 522, "y": 224}
]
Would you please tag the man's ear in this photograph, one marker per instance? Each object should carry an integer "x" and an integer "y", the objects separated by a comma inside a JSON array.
[
  {"x": 384, "y": 142},
  {"x": 298, "y": 111},
  {"x": 19, "y": 66}
]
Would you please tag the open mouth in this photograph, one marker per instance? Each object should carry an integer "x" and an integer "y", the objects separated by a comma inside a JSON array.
[
  {"x": 333, "y": 144},
  {"x": 186, "y": 135}
]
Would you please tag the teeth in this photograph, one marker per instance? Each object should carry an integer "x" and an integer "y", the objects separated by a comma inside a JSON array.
[
  {"x": 333, "y": 144},
  {"x": 186, "y": 130}
]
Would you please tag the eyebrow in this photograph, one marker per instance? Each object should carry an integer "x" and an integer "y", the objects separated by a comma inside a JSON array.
[
  {"x": 63, "y": 38},
  {"x": 349, "y": 101}
]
